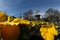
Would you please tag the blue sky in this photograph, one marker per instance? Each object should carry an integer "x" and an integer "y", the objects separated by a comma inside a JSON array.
[{"x": 17, "y": 7}]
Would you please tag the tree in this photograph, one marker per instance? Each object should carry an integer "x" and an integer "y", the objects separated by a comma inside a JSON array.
[
  {"x": 52, "y": 15},
  {"x": 28, "y": 15},
  {"x": 37, "y": 14}
]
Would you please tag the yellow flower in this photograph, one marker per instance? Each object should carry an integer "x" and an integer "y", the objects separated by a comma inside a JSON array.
[
  {"x": 48, "y": 30},
  {"x": 47, "y": 23},
  {"x": 42, "y": 22},
  {"x": 2, "y": 16},
  {"x": 26, "y": 22},
  {"x": 56, "y": 26},
  {"x": 21, "y": 21},
  {"x": 52, "y": 25},
  {"x": 9, "y": 18},
  {"x": 33, "y": 23},
  {"x": 16, "y": 20}
]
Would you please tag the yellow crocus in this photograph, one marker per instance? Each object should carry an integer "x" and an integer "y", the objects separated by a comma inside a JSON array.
[
  {"x": 2, "y": 16},
  {"x": 48, "y": 32}
]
